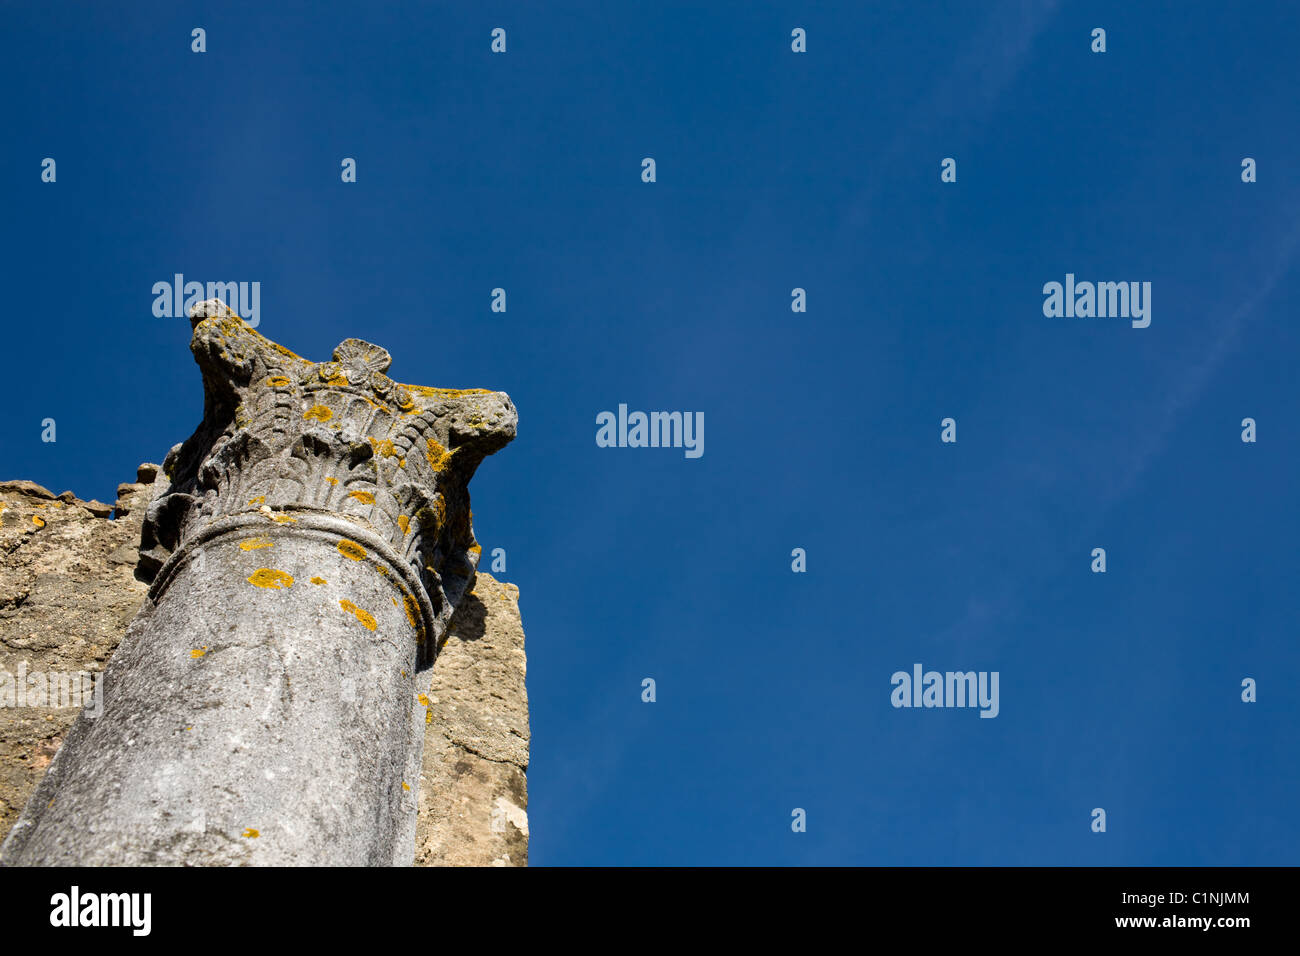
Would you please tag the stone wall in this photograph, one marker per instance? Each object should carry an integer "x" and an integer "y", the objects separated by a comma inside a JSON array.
[{"x": 68, "y": 591}]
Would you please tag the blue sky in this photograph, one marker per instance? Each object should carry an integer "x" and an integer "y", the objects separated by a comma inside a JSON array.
[{"x": 775, "y": 170}]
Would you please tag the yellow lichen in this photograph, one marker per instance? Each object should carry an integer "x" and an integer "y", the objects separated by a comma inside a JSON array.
[
  {"x": 412, "y": 608},
  {"x": 38, "y": 521},
  {"x": 259, "y": 500},
  {"x": 440, "y": 509},
  {"x": 318, "y": 580},
  {"x": 197, "y": 652},
  {"x": 405, "y": 785},
  {"x": 365, "y": 617},
  {"x": 350, "y": 549},
  {"x": 428, "y": 392},
  {"x": 277, "y": 381},
  {"x": 283, "y": 519},
  {"x": 437, "y": 455},
  {"x": 365, "y": 497},
  {"x": 270, "y": 578},
  {"x": 404, "y": 523},
  {"x": 383, "y": 447},
  {"x": 318, "y": 412},
  {"x": 331, "y": 481},
  {"x": 252, "y": 834},
  {"x": 253, "y": 544}
]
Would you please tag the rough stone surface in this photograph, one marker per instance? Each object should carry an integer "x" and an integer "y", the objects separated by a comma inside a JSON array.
[
  {"x": 306, "y": 550},
  {"x": 67, "y": 593},
  {"x": 473, "y": 788}
]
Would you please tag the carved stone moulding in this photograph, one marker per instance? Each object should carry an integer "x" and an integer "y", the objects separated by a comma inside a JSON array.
[{"x": 294, "y": 445}]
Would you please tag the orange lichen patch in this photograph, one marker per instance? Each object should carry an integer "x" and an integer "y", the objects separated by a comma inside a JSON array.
[
  {"x": 270, "y": 578},
  {"x": 428, "y": 716},
  {"x": 404, "y": 523},
  {"x": 365, "y": 497},
  {"x": 412, "y": 608},
  {"x": 350, "y": 549},
  {"x": 38, "y": 521},
  {"x": 424, "y": 701},
  {"x": 259, "y": 500},
  {"x": 318, "y": 580},
  {"x": 382, "y": 570},
  {"x": 198, "y": 652},
  {"x": 437, "y": 455},
  {"x": 283, "y": 519},
  {"x": 277, "y": 381},
  {"x": 331, "y": 481},
  {"x": 475, "y": 548},
  {"x": 253, "y": 544},
  {"x": 365, "y": 617},
  {"x": 405, "y": 785},
  {"x": 433, "y": 518},
  {"x": 237, "y": 326},
  {"x": 428, "y": 392},
  {"x": 318, "y": 412},
  {"x": 252, "y": 834},
  {"x": 383, "y": 447},
  {"x": 401, "y": 463}
]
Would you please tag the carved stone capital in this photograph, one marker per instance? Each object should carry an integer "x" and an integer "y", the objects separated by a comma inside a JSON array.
[{"x": 285, "y": 440}]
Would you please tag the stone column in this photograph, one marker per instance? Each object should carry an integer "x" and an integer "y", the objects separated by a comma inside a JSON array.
[{"x": 304, "y": 561}]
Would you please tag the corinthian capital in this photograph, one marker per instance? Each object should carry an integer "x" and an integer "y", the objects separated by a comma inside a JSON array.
[{"x": 336, "y": 449}]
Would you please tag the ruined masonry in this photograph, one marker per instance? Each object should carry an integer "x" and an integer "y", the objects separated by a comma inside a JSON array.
[{"x": 308, "y": 555}]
